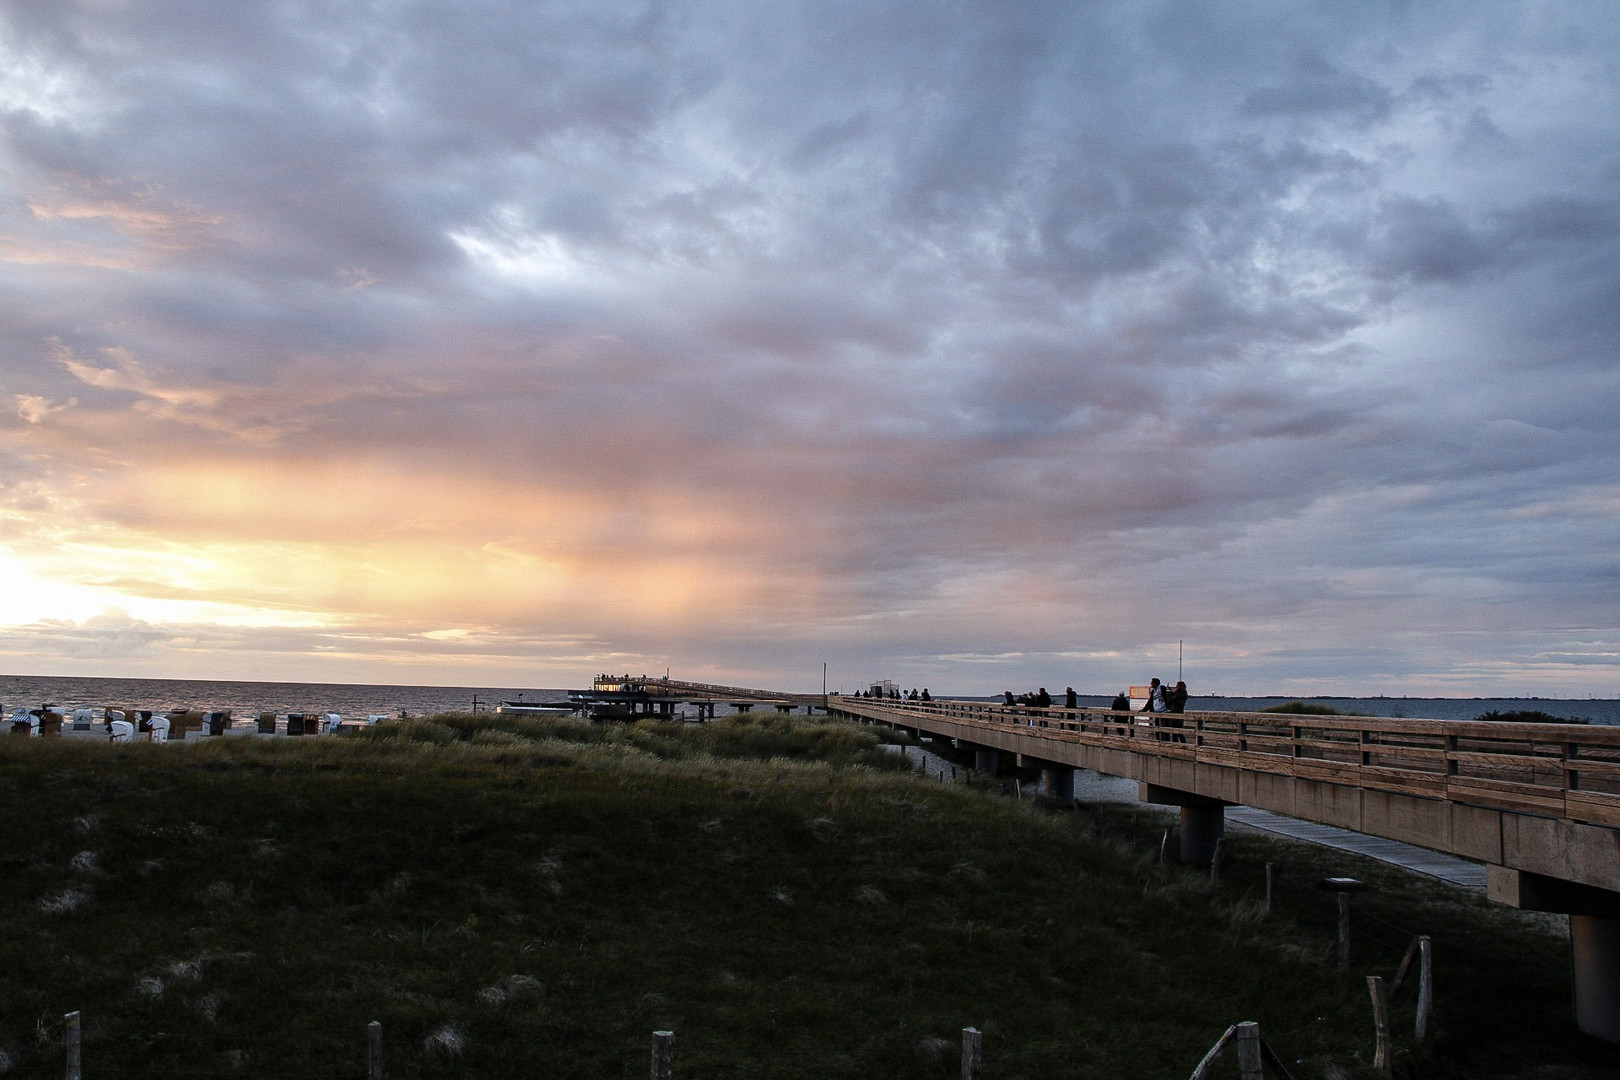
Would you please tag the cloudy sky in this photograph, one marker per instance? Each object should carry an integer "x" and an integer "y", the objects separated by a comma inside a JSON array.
[{"x": 973, "y": 344}]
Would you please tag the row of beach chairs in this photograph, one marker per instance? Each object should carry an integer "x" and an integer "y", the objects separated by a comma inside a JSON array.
[{"x": 142, "y": 725}]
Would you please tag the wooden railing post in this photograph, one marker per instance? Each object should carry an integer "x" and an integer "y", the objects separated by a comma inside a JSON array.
[
  {"x": 1568, "y": 752},
  {"x": 663, "y": 1055},
  {"x": 1425, "y": 1002},
  {"x": 1248, "y": 1051},
  {"x": 374, "y": 1050},
  {"x": 972, "y": 1054},
  {"x": 1344, "y": 929},
  {"x": 71, "y": 1038},
  {"x": 1381, "y": 1054}
]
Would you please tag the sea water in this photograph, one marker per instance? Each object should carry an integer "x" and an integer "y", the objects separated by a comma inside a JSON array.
[{"x": 247, "y": 699}]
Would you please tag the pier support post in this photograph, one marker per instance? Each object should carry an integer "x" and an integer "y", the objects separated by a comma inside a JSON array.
[
  {"x": 1203, "y": 821},
  {"x": 1594, "y": 939},
  {"x": 1058, "y": 780},
  {"x": 1202, "y": 828},
  {"x": 1595, "y": 943}
]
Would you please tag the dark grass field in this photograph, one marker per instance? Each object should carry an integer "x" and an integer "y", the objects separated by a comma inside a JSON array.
[{"x": 525, "y": 898}]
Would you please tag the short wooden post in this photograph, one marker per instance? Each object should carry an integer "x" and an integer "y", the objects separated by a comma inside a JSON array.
[
  {"x": 663, "y": 1055},
  {"x": 972, "y": 1054},
  {"x": 1381, "y": 1055},
  {"x": 1344, "y": 929},
  {"x": 1271, "y": 885},
  {"x": 1248, "y": 1051},
  {"x": 1425, "y": 1001},
  {"x": 1164, "y": 845},
  {"x": 72, "y": 1040},
  {"x": 374, "y": 1056},
  {"x": 1215, "y": 862}
]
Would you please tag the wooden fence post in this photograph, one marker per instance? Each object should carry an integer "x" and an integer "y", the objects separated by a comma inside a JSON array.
[
  {"x": 1344, "y": 929},
  {"x": 663, "y": 1055},
  {"x": 1215, "y": 862},
  {"x": 72, "y": 1039},
  {"x": 1271, "y": 885},
  {"x": 374, "y": 1050},
  {"x": 1425, "y": 1002},
  {"x": 1248, "y": 1050},
  {"x": 1381, "y": 1055},
  {"x": 972, "y": 1054}
]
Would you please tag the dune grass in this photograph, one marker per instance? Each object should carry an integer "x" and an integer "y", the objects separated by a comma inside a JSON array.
[{"x": 520, "y": 897}]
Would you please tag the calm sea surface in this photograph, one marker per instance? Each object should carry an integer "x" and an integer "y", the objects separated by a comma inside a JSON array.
[{"x": 247, "y": 699}]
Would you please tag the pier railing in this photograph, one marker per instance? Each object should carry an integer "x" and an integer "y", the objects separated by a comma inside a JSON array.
[{"x": 1569, "y": 771}]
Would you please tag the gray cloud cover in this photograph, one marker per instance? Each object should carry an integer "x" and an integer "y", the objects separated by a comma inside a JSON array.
[{"x": 968, "y": 344}]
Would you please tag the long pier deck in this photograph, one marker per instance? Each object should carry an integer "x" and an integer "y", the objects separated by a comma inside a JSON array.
[{"x": 1537, "y": 804}]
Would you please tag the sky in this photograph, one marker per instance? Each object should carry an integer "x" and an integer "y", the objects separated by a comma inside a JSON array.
[{"x": 971, "y": 344}]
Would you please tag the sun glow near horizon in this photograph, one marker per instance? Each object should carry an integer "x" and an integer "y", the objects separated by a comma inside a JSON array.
[{"x": 304, "y": 543}]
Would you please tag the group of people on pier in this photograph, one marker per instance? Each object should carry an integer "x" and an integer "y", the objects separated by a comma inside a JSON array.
[
  {"x": 1171, "y": 702},
  {"x": 1161, "y": 699}
]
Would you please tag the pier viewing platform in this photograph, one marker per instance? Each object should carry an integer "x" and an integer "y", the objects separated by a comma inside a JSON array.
[{"x": 634, "y": 697}]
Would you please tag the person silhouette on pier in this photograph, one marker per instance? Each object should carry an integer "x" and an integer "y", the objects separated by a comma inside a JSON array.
[
  {"x": 1155, "y": 705},
  {"x": 1175, "y": 703}
]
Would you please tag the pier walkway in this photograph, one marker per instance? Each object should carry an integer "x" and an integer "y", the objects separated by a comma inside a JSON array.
[{"x": 1470, "y": 875}]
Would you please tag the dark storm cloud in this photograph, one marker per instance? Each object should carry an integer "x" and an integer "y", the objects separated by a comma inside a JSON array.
[{"x": 936, "y": 325}]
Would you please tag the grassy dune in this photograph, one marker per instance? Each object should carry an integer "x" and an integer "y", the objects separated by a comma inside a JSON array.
[{"x": 532, "y": 898}]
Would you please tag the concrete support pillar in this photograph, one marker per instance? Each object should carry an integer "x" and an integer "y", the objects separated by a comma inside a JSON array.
[
  {"x": 1595, "y": 942},
  {"x": 1058, "y": 780},
  {"x": 1201, "y": 827},
  {"x": 986, "y": 761}
]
